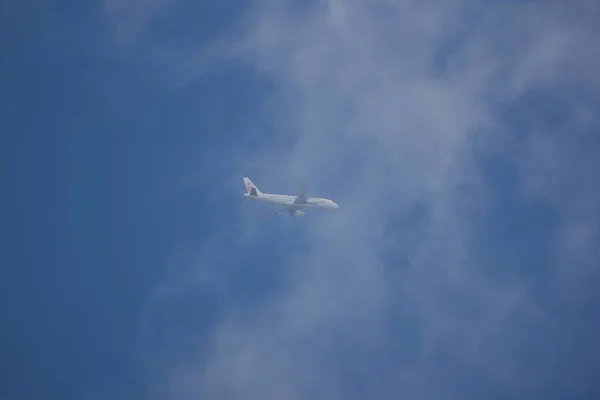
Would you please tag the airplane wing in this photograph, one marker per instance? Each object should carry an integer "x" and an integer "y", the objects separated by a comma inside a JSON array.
[
  {"x": 300, "y": 200},
  {"x": 275, "y": 213},
  {"x": 302, "y": 197}
]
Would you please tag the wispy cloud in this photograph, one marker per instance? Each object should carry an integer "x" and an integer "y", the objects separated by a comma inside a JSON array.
[
  {"x": 130, "y": 18},
  {"x": 392, "y": 108}
]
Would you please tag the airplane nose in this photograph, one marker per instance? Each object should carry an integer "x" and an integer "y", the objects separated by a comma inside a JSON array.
[{"x": 335, "y": 205}]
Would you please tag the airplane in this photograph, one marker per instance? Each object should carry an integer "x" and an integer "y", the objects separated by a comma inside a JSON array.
[{"x": 294, "y": 205}]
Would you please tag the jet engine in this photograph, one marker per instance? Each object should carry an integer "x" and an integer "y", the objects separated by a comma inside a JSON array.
[{"x": 297, "y": 213}]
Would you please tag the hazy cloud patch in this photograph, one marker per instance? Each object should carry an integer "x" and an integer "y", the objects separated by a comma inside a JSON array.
[{"x": 389, "y": 108}]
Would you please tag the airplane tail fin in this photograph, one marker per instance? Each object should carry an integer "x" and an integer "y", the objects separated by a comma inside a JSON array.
[{"x": 251, "y": 188}]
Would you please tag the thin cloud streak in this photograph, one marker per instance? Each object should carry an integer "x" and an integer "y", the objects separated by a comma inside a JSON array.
[{"x": 130, "y": 18}]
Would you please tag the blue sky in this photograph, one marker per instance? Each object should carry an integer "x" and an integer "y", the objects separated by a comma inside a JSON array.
[{"x": 460, "y": 140}]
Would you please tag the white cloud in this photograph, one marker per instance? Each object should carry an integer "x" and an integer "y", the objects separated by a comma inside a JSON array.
[{"x": 388, "y": 107}]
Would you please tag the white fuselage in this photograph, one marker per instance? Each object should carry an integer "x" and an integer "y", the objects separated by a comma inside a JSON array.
[{"x": 290, "y": 202}]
